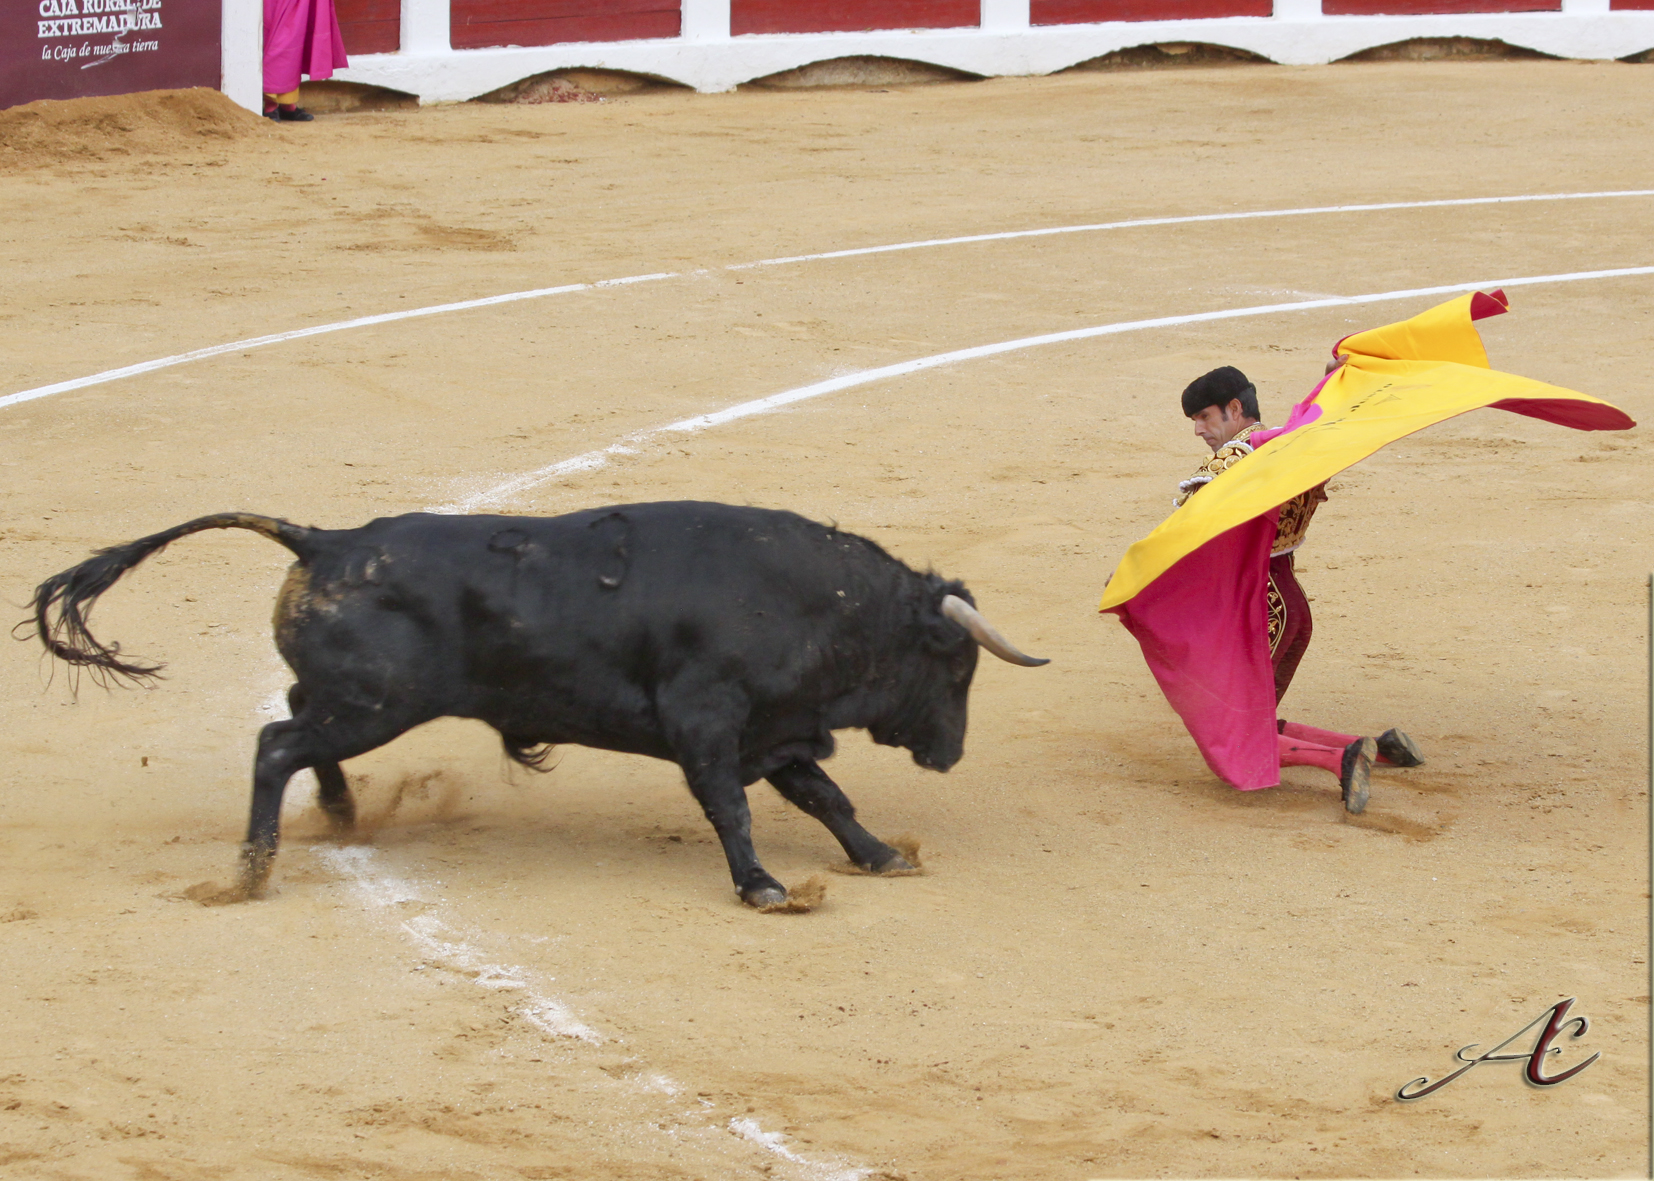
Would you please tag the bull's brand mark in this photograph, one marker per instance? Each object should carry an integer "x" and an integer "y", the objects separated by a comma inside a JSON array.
[{"x": 1555, "y": 1021}]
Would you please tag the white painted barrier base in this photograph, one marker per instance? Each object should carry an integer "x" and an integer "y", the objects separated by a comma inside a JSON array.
[
  {"x": 242, "y": 53},
  {"x": 708, "y": 59}
]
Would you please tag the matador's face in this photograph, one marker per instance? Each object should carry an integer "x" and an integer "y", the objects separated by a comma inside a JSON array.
[{"x": 1216, "y": 425}]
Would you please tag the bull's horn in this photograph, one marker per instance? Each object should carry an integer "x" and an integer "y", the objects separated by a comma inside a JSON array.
[{"x": 983, "y": 632}]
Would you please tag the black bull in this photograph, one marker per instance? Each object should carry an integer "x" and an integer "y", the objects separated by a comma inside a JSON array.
[{"x": 731, "y": 641}]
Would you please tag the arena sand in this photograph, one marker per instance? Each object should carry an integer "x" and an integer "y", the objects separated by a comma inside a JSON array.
[{"x": 1115, "y": 966}]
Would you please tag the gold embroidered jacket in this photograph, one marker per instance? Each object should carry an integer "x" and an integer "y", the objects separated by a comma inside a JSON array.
[{"x": 1295, "y": 513}]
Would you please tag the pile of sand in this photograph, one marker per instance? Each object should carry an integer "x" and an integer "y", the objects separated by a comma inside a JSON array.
[{"x": 152, "y": 123}]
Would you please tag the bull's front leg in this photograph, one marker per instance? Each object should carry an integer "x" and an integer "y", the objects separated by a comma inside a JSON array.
[
  {"x": 702, "y": 724},
  {"x": 717, "y": 786},
  {"x": 807, "y": 787}
]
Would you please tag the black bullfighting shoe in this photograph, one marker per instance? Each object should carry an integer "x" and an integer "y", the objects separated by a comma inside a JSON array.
[
  {"x": 294, "y": 114},
  {"x": 1398, "y": 750},
  {"x": 1357, "y": 770}
]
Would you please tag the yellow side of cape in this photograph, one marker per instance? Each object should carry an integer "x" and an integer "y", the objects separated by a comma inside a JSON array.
[{"x": 1396, "y": 380}]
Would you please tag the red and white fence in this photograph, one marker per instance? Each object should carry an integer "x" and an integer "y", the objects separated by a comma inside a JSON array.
[
  {"x": 445, "y": 50},
  {"x": 450, "y": 50}
]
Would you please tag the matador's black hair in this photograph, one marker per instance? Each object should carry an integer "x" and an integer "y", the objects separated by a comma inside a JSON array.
[{"x": 1218, "y": 388}]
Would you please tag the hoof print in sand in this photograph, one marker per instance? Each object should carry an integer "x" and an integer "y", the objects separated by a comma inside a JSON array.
[{"x": 212, "y": 894}]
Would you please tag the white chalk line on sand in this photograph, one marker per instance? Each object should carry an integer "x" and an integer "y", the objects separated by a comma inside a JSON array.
[
  {"x": 634, "y": 442},
  {"x": 256, "y": 342},
  {"x": 776, "y": 1143},
  {"x": 444, "y": 947},
  {"x": 1189, "y": 220}
]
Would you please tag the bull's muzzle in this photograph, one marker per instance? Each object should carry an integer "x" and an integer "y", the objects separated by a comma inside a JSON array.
[{"x": 984, "y": 633}]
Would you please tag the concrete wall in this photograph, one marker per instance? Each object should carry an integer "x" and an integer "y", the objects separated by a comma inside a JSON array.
[
  {"x": 708, "y": 59},
  {"x": 243, "y": 50}
]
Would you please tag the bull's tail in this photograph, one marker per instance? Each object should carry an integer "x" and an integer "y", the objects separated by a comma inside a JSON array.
[{"x": 62, "y": 603}]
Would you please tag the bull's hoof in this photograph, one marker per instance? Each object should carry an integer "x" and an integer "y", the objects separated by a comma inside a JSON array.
[
  {"x": 254, "y": 880},
  {"x": 764, "y": 897},
  {"x": 802, "y": 899},
  {"x": 902, "y": 859}
]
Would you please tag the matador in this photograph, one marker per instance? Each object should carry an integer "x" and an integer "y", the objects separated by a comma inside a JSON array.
[{"x": 1223, "y": 405}]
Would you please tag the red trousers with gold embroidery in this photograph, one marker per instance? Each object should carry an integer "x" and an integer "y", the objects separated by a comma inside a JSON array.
[{"x": 1290, "y": 625}]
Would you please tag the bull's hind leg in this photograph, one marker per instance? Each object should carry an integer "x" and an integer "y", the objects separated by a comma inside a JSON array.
[
  {"x": 282, "y": 751},
  {"x": 807, "y": 787},
  {"x": 334, "y": 798},
  {"x": 333, "y": 794},
  {"x": 315, "y": 737}
]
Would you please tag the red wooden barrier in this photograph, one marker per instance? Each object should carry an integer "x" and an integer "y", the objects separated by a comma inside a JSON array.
[
  {"x": 1432, "y": 7},
  {"x": 1083, "y": 12},
  {"x": 850, "y": 16},
  {"x": 1643, "y": 5},
  {"x": 480, "y": 23},
  {"x": 370, "y": 26}
]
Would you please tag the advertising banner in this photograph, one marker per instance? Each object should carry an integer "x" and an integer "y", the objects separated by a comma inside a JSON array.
[{"x": 76, "y": 48}]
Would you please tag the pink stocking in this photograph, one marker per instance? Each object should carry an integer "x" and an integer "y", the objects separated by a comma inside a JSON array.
[
  {"x": 1295, "y": 752},
  {"x": 1322, "y": 738},
  {"x": 1319, "y": 737}
]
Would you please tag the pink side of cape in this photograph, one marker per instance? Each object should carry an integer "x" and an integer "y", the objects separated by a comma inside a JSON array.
[
  {"x": 1203, "y": 628},
  {"x": 300, "y": 37},
  {"x": 1301, "y": 414}
]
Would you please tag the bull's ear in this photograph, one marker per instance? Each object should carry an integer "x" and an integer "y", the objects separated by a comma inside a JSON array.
[{"x": 940, "y": 633}]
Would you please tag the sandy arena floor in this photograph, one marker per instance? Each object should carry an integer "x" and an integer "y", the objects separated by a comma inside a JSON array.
[{"x": 1115, "y": 966}]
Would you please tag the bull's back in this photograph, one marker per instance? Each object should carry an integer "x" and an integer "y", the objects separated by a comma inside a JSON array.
[
  {"x": 587, "y": 613},
  {"x": 670, "y": 549}
]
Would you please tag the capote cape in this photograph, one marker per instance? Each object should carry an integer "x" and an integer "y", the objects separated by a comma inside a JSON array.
[{"x": 1193, "y": 591}]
